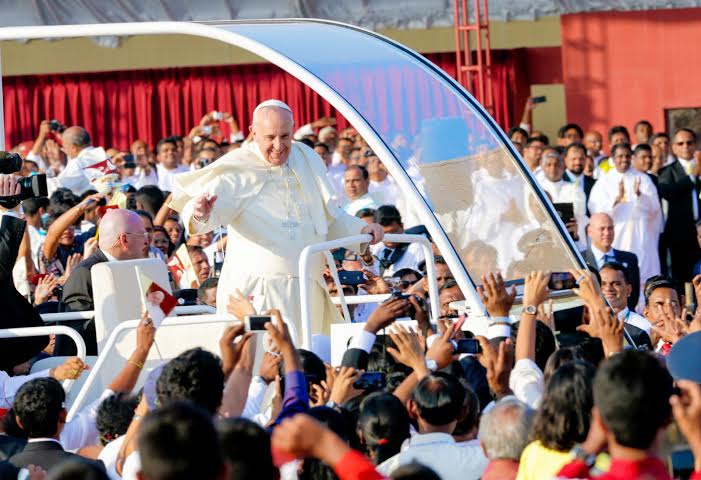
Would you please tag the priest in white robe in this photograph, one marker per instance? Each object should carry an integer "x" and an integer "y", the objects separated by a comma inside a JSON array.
[
  {"x": 275, "y": 199},
  {"x": 630, "y": 198}
]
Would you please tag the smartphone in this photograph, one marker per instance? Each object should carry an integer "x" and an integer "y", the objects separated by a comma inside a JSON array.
[
  {"x": 561, "y": 281},
  {"x": 207, "y": 130},
  {"x": 256, "y": 323},
  {"x": 351, "y": 278},
  {"x": 374, "y": 380},
  {"x": 467, "y": 345},
  {"x": 129, "y": 165},
  {"x": 399, "y": 295},
  {"x": 57, "y": 126},
  {"x": 565, "y": 211},
  {"x": 541, "y": 99},
  {"x": 204, "y": 162}
]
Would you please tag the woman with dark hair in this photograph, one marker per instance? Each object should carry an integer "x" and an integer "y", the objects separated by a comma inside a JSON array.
[
  {"x": 383, "y": 425},
  {"x": 161, "y": 241},
  {"x": 561, "y": 422},
  {"x": 338, "y": 423}
]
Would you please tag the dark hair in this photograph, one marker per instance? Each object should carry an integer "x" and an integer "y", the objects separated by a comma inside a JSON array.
[
  {"x": 144, "y": 214},
  {"x": 11, "y": 427},
  {"x": 619, "y": 129},
  {"x": 77, "y": 468},
  {"x": 414, "y": 471},
  {"x": 406, "y": 271},
  {"x": 565, "y": 411},
  {"x": 384, "y": 424},
  {"x": 172, "y": 140},
  {"x": 312, "y": 366},
  {"x": 569, "y": 126},
  {"x": 687, "y": 130},
  {"x": 195, "y": 376},
  {"x": 161, "y": 229},
  {"x": 631, "y": 391},
  {"x": 363, "y": 170},
  {"x": 657, "y": 135},
  {"x": 61, "y": 201},
  {"x": 322, "y": 145},
  {"x": 655, "y": 282},
  {"x": 114, "y": 416},
  {"x": 471, "y": 410},
  {"x": 38, "y": 406},
  {"x": 315, "y": 469},
  {"x": 538, "y": 138},
  {"x": 617, "y": 267},
  {"x": 619, "y": 146},
  {"x": 307, "y": 142},
  {"x": 574, "y": 146},
  {"x": 642, "y": 122},
  {"x": 544, "y": 342},
  {"x": 246, "y": 447},
  {"x": 439, "y": 398},
  {"x": 31, "y": 206},
  {"x": 365, "y": 212},
  {"x": 447, "y": 285},
  {"x": 514, "y": 130},
  {"x": 643, "y": 147},
  {"x": 179, "y": 442},
  {"x": 559, "y": 357},
  {"x": 386, "y": 215},
  {"x": 151, "y": 198},
  {"x": 211, "y": 282}
]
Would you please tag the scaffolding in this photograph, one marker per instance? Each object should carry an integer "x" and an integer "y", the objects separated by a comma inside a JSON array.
[{"x": 474, "y": 68}]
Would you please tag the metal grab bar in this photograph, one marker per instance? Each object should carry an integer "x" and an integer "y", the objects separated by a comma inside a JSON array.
[
  {"x": 131, "y": 325},
  {"x": 87, "y": 315},
  {"x": 304, "y": 275},
  {"x": 56, "y": 330}
]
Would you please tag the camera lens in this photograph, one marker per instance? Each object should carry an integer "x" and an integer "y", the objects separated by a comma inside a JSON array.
[{"x": 10, "y": 162}]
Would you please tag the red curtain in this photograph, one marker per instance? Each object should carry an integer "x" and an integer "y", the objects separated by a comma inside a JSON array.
[{"x": 119, "y": 107}]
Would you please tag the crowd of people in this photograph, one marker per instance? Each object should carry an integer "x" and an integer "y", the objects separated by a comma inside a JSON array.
[{"x": 609, "y": 390}]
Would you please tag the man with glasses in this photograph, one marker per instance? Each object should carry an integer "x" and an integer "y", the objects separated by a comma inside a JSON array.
[
  {"x": 122, "y": 237},
  {"x": 679, "y": 185}
]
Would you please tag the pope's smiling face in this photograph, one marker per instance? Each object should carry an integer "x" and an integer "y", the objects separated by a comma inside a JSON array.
[{"x": 272, "y": 130}]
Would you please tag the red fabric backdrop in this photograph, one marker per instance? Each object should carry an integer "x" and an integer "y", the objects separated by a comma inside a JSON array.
[{"x": 119, "y": 107}]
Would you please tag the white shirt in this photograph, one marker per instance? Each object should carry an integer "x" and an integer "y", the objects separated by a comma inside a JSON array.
[
  {"x": 366, "y": 201},
  {"x": 81, "y": 431},
  {"x": 9, "y": 386},
  {"x": 36, "y": 240},
  {"x": 599, "y": 256},
  {"x": 440, "y": 452},
  {"x": 165, "y": 176},
  {"x": 527, "y": 383},
  {"x": 141, "y": 178},
  {"x": 336, "y": 174},
  {"x": 74, "y": 177},
  {"x": 387, "y": 191},
  {"x": 626, "y": 316},
  {"x": 109, "y": 455},
  {"x": 411, "y": 258}
]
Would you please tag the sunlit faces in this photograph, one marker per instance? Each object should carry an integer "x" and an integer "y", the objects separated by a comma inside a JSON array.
[
  {"x": 200, "y": 264},
  {"x": 642, "y": 160},
  {"x": 601, "y": 232},
  {"x": 621, "y": 158},
  {"x": 355, "y": 183},
  {"x": 552, "y": 165},
  {"x": 615, "y": 288},
  {"x": 593, "y": 142},
  {"x": 272, "y": 131},
  {"x": 575, "y": 159},
  {"x": 657, "y": 301},
  {"x": 168, "y": 155},
  {"x": 684, "y": 145}
]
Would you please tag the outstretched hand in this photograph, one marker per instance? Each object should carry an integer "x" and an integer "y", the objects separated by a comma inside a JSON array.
[
  {"x": 203, "y": 206},
  {"x": 376, "y": 231}
]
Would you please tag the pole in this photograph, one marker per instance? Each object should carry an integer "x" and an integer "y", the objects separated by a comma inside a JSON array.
[{"x": 2, "y": 110}]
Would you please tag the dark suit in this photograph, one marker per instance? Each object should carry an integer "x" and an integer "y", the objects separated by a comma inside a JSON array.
[
  {"x": 9, "y": 446},
  {"x": 629, "y": 261},
  {"x": 16, "y": 310},
  {"x": 679, "y": 235},
  {"x": 47, "y": 455},
  {"x": 588, "y": 184},
  {"x": 78, "y": 297}
]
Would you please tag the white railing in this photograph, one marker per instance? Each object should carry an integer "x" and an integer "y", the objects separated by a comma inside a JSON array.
[
  {"x": 304, "y": 275},
  {"x": 55, "y": 330},
  {"x": 131, "y": 325},
  {"x": 87, "y": 315}
]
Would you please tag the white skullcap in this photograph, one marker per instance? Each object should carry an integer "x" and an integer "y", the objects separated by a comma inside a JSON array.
[{"x": 272, "y": 103}]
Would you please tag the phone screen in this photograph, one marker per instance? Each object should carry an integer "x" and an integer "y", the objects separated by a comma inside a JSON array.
[
  {"x": 468, "y": 345},
  {"x": 256, "y": 323},
  {"x": 376, "y": 380},
  {"x": 561, "y": 281},
  {"x": 351, "y": 278}
]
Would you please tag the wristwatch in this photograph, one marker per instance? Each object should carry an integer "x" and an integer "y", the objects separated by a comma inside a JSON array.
[
  {"x": 577, "y": 453},
  {"x": 431, "y": 365},
  {"x": 530, "y": 310}
]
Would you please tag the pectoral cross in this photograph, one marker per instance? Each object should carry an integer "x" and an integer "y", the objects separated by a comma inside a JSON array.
[{"x": 291, "y": 225}]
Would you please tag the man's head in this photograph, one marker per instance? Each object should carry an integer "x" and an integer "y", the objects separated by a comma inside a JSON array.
[
  {"x": 207, "y": 292},
  {"x": 621, "y": 155},
  {"x": 569, "y": 134},
  {"x": 593, "y": 142},
  {"x": 443, "y": 273},
  {"x": 631, "y": 399},
  {"x": 203, "y": 240},
  {"x": 148, "y": 223},
  {"x": 366, "y": 214},
  {"x": 139, "y": 149},
  {"x": 205, "y": 156},
  {"x": 39, "y": 408},
  {"x": 575, "y": 158},
  {"x": 552, "y": 165},
  {"x": 504, "y": 430},
  {"x": 356, "y": 182},
  {"x": 167, "y": 153},
  {"x": 405, "y": 278},
  {"x": 684, "y": 143},
  {"x": 601, "y": 232},
  {"x": 179, "y": 441},
  {"x": 615, "y": 286},
  {"x": 518, "y": 135},
  {"x": 642, "y": 131},
  {"x": 533, "y": 151},
  {"x": 193, "y": 376},
  {"x": 199, "y": 262},
  {"x": 660, "y": 294},
  {"x": 272, "y": 129},
  {"x": 376, "y": 169},
  {"x": 323, "y": 151},
  {"x": 390, "y": 219},
  {"x": 149, "y": 198},
  {"x": 448, "y": 293},
  {"x": 344, "y": 147},
  {"x": 437, "y": 402},
  {"x": 642, "y": 158},
  {"x": 246, "y": 449},
  {"x": 618, "y": 134},
  {"x": 328, "y": 135},
  {"x": 122, "y": 235},
  {"x": 74, "y": 140},
  {"x": 661, "y": 141}
]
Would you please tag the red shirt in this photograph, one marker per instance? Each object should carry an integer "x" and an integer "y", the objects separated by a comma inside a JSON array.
[
  {"x": 355, "y": 466},
  {"x": 648, "y": 469},
  {"x": 501, "y": 470}
]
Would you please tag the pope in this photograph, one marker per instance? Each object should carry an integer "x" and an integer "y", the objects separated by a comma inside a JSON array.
[{"x": 274, "y": 197}]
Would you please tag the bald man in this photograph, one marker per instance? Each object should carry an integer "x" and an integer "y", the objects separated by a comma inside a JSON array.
[
  {"x": 274, "y": 196},
  {"x": 122, "y": 237},
  {"x": 80, "y": 154}
]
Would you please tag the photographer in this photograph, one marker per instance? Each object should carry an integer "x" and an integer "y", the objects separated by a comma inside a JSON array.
[{"x": 17, "y": 312}]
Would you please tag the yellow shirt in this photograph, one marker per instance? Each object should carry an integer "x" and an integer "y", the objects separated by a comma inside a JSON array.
[{"x": 539, "y": 462}]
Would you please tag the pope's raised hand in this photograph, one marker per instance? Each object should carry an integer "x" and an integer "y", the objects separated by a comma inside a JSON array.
[
  {"x": 376, "y": 231},
  {"x": 203, "y": 206}
]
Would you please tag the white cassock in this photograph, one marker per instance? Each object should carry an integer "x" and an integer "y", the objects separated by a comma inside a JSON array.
[
  {"x": 637, "y": 220},
  {"x": 271, "y": 214},
  {"x": 568, "y": 192}
]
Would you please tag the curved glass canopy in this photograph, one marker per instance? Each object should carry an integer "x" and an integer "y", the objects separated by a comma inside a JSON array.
[{"x": 458, "y": 173}]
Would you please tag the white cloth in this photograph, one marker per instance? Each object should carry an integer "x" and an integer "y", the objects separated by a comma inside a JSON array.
[
  {"x": 36, "y": 241},
  {"x": 387, "y": 192},
  {"x": 526, "y": 381},
  {"x": 75, "y": 177},
  {"x": 81, "y": 431},
  {"x": 366, "y": 201},
  {"x": 626, "y": 316},
  {"x": 141, "y": 178},
  {"x": 108, "y": 456},
  {"x": 132, "y": 466},
  {"x": 336, "y": 174},
  {"x": 9, "y": 385},
  {"x": 411, "y": 258},
  {"x": 567, "y": 192},
  {"x": 578, "y": 180},
  {"x": 440, "y": 452},
  {"x": 637, "y": 219},
  {"x": 254, "y": 400},
  {"x": 303, "y": 131},
  {"x": 165, "y": 176},
  {"x": 263, "y": 248}
]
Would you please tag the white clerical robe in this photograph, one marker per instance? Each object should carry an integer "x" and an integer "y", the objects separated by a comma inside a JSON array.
[
  {"x": 568, "y": 192},
  {"x": 260, "y": 205},
  {"x": 637, "y": 220}
]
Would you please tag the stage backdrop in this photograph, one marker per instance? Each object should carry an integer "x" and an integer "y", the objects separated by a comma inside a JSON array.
[{"x": 119, "y": 107}]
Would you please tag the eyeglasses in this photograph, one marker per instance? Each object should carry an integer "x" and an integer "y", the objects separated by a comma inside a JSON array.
[
  {"x": 141, "y": 234},
  {"x": 688, "y": 142}
]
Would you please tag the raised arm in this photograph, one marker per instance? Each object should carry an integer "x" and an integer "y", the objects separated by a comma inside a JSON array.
[{"x": 65, "y": 221}]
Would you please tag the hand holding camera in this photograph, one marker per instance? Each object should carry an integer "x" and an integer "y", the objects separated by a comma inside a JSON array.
[{"x": 16, "y": 189}]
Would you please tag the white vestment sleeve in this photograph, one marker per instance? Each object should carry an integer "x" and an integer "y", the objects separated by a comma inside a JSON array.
[
  {"x": 225, "y": 210},
  {"x": 256, "y": 394},
  {"x": 81, "y": 431},
  {"x": 9, "y": 385},
  {"x": 526, "y": 381}
]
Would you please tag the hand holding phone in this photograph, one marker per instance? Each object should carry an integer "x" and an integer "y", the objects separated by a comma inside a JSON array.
[
  {"x": 467, "y": 345},
  {"x": 374, "y": 380},
  {"x": 256, "y": 323},
  {"x": 562, "y": 281}
]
